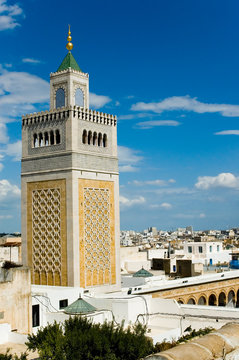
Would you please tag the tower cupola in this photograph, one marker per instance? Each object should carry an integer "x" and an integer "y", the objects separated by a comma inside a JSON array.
[{"x": 69, "y": 85}]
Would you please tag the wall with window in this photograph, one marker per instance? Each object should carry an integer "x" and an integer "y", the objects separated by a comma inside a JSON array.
[
  {"x": 210, "y": 253},
  {"x": 94, "y": 138},
  {"x": 46, "y": 138}
]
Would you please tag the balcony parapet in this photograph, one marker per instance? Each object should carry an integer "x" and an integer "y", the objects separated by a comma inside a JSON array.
[{"x": 64, "y": 112}]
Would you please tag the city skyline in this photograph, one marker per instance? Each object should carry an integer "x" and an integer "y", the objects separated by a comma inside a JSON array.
[{"x": 169, "y": 71}]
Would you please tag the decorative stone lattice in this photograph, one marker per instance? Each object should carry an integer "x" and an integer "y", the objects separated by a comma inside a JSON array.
[
  {"x": 46, "y": 231},
  {"x": 97, "y": 231}
]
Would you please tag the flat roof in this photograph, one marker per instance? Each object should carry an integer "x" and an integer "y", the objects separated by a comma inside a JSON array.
[{"x": 161, "y": 285}]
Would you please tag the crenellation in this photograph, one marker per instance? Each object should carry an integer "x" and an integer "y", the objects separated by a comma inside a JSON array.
[
  {"x": 69, "y": 70},
  {"x": 63, "y": 113}
]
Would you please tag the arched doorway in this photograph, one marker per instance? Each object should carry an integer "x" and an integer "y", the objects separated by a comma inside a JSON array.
[
  {"x": 212, "y": 301},
  {"x": 231, "y": 299},
  {"x": 202, "y": 300},
  {"x": 222, "y": 299},
  {"x": 191, "y": 301}
]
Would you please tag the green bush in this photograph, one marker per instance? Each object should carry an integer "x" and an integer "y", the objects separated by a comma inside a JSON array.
[
  {"x": 80, "y": 339},
  {"x": 8, "y": 356}
]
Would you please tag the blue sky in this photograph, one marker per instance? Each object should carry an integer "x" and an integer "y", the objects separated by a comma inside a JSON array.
[{"x": 168, "y": 69}]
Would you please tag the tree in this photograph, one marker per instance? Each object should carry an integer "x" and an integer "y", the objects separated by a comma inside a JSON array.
[{"x": 78, "y": 339}]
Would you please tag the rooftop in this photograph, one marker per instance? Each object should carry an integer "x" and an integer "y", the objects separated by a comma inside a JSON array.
[{"x": 69, "y": 62}]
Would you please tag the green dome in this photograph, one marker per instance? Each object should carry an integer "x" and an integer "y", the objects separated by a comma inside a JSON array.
[
  {"x": 69, "y": 62},
  {"x": 142, "y": 273},
  {"x": 79, "y": 307}
]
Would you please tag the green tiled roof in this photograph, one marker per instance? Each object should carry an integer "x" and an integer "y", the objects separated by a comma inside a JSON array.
[
  {"x": 80, "y": 306},
  {"x": 69, "y": 62},
  {"x": 142, "y": 273}
]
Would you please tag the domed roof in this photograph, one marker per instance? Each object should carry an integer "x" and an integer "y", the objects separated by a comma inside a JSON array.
[
  {"x": 142, "y": 273},
  {"x": 78, "y": 307}
]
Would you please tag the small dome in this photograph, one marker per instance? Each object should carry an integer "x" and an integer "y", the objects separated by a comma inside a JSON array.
[{"x": 79, "y": 307}]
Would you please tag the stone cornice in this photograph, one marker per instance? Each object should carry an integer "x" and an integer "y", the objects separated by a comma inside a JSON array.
[{"x": 64, "y": 112}]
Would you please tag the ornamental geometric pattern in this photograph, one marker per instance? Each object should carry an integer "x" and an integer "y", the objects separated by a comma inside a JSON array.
[
  {"x": 46, "y": 231},
  {"x": 97, "y": 230}
]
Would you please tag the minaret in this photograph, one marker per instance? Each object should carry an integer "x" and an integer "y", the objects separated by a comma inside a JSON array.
[{"x": 70, "y": 187}]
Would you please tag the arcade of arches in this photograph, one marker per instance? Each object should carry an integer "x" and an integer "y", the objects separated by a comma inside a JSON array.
[{"x": 217, "y": 293}]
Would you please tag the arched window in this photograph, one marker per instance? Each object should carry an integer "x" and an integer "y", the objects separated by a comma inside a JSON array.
[
  {"x": 89, "y": 137},
  {"x": 202, "y": 300},
  {"x": 84, "y": 137},
  {"x": 60, "y": 98},
  {"x": 191, "y": 301},
  {"x": 35, "y": 141},
  {"x": 100, "y": 139},
  {"x": 180, "y": 301},
  {"x": 231, "y": 299},
  {"x": 212, "y": 301},
  {"x": 104, "y": 140},
  {"x": 52, "y": 138},
  {"x": 40, "y": 139},
  {"x": 79, "y": 97},
  {"x": 58, "y": 137},
  {"x": 222, "y": 299},
  {"x": 95, "y": 138},
  {"x": 46, "y": 139}
]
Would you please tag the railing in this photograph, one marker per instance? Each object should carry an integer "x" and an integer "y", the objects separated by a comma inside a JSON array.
[{"x": 64, "y": 112}]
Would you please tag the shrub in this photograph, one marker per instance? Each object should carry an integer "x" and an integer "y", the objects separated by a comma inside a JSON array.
[
  {"x": 80, "y": 339},
  {"x": 8, "y": 356}
]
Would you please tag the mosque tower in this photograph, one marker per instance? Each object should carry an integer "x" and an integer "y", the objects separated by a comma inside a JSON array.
[{"x": 70, "y": 187}]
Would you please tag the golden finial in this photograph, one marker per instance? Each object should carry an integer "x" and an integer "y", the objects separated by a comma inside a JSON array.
[{"x": 69, "y": 45}]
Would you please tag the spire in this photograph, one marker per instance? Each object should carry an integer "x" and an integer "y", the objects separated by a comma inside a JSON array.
[
  {"x": 69, "y": 60},
  {"x": 69, "y": 45}
]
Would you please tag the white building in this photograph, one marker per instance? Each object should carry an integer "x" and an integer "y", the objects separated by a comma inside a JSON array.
[{"x": 209, "y": 253}]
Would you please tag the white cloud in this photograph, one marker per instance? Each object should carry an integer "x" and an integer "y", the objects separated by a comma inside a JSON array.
[
  {"x": 125, "y": 202},
  {"x": 3, "y": 217},
  {"x": 189, "y": 216},
  {"x": 98, "y": 101},
  {"x": 17, "y": 88},
  {"x": 186, "y": 103},
  {"x": 1, "y": 166},
  {"x": 31, "y": 61},
  {"x": 133, "y": 116},
  {"x": 166, "y": 206},
  {"x": 226, "y": 180},
  {"x": 154, "y": 206},
  {"x": 227, "y": 132},
  {"x": 174, "y": 191},
  {"x": 153, "y": 123},
  {"x": 3, "y": 134},
  {"x": 8, "y": 190},
  {"x": 157, "y": 182},
  {"x": 127, "y": 168},
  {"x": 17, "y": 96},
  {"x": 128, "y": 159},
  {"x": 14, "y": 150},
  {"x": 8, "y": 15}
]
